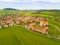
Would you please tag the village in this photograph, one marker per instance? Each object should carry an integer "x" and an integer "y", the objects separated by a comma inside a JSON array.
[{"x": 30, "y": 22}]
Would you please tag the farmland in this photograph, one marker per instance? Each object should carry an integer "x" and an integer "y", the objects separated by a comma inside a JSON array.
[{"x": 19, "y": 35}]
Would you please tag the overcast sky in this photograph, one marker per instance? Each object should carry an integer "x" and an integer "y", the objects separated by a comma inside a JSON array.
[{"x": 30, "y": 4}]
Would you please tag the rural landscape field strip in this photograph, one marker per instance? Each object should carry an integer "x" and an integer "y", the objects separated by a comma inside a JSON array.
[
  {"x": 27, "y": 37},
  {"x": 7, "y": 37},
  {"x": 20, "y": 35}
]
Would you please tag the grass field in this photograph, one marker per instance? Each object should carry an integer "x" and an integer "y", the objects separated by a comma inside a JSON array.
[{"x": 19, "y": 35}]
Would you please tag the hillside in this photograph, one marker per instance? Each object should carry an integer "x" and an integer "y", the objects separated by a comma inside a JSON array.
[
  {"x": 9, "y": 9},
  {"x": 18, "y": 35},
  {"x": 22, "y": 36}
]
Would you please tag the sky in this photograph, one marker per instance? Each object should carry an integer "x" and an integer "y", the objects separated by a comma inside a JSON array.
[{"x": 30, "y": 4}]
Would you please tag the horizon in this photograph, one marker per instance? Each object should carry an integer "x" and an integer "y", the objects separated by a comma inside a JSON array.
[{"x": 31, "y": 9}]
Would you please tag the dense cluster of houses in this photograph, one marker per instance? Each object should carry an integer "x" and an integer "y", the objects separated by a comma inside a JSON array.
[
  {"x": 42, "y": 25},
  {"x": 30, "y": 21}
]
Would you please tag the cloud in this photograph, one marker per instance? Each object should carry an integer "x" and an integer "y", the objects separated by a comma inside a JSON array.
[
  {"x": 14, "y": 0},
  {"x": 53, "y": 1}
]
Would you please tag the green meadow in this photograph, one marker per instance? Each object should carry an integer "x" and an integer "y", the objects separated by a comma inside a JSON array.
[{"x": 18, "y": 35}]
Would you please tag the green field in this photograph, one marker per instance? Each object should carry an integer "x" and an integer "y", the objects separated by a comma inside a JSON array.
[{"x": 19, "y": 35}]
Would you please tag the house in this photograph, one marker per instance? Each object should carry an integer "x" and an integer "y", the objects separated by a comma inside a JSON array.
[
  {"x": 45, "y": 30},
  {"x": 41, "y": 23},
  {"x": 9, "y": 18},
  {"x": 5, "y": 24},
  {"x": 38, "y": 30},
  {"x": 26, "y": 19},
  {"x": 45, "y": 23},
  {"x": 31, "y": 19},
  {"x": 18, "y": 19},
  {"x": 37, "y": 19},
  {"x": 31, "y": 26},
  {"x": 11, "y": 23},
  {"x": 0, "y": 25}
]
